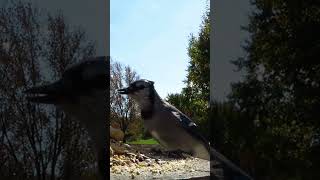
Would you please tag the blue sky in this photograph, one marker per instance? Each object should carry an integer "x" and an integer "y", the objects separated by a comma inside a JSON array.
[{"x": 152, "y": 37}]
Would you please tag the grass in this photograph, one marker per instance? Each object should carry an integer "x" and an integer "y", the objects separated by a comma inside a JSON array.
[{"x": 144, "y": 141}]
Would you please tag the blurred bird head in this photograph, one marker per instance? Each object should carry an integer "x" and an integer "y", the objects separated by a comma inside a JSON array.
[{"x": 84, "y": 79}]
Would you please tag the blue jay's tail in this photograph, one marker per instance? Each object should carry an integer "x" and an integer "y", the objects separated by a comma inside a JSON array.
[{"x": 215, "y": 155}]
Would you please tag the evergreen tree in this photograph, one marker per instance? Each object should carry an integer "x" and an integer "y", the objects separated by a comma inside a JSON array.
[
  {"x": 194, "y": 98},
  {"x": 281, "y": 91}
]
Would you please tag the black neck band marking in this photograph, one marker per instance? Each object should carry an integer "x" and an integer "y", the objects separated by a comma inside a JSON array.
[{"x": 147, "y": 113}]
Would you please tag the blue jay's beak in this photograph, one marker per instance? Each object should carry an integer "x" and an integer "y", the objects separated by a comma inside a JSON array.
[
  {"x": 47, "y": 94},
  {"x": 124, "y": 91}
]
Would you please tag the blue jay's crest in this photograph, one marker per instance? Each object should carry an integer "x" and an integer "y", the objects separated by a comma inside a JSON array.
[
  {"x": 80, "y": 79},
  {"x": 143, "y": 82},
  {"x": 137, "y": 86}
]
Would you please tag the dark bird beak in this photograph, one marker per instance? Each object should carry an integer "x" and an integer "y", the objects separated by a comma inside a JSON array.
[
  {"x": 47, "y": 94},
  {"x": 124, "y": 91}
]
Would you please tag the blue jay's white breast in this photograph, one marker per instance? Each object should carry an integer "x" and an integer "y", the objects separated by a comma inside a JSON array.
[{"x": 157, "y": 137}]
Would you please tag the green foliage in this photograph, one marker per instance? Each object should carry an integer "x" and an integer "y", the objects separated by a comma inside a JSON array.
[
  {"x": 144, "y": 141},
  {"x": 280, "y": 94},
  {"x": 194, "y": 98},
  {"x": 135, "y": 129},
  {"x": 198, "y": 76}
]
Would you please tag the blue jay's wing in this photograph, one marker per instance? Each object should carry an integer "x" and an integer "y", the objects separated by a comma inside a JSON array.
[
  {"x": 188, "y": 125},
  {"x": 192, "y": 129}
]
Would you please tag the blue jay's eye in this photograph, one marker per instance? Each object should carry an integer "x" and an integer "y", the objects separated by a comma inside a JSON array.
[
  {"x": 137, "y": 88},
  {"x": 140, "y": 87}
]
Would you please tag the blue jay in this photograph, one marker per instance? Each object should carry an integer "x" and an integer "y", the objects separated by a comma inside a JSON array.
[
  {"x": 82, "y": 94},
  {"x": 170, "y": 127}
]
